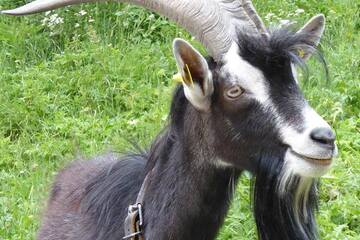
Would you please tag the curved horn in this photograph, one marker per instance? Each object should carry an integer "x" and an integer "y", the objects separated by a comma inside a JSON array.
[{"x": 212, "y": 22}]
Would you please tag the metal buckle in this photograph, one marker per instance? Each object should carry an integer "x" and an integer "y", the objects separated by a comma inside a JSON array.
[{"x": 134, "y": 222}]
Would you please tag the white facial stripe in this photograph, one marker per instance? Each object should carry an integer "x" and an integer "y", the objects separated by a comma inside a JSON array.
[
  {"x": 313, "y": 119},
  {"x": 246, "y": 75},
  {"x": 253, "y": 81}
]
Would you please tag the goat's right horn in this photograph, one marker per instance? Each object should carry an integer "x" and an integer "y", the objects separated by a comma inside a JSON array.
[{"x": 213, "y": 22}]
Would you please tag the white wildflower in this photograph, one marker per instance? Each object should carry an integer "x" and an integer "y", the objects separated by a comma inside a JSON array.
[
  {"x": 91, "y": 20},
  {"x": 133, "y": 122},
  {"x": 54, "y": 16},
  {"x": 47, "y": 13},
  {"x": 299, "y": 11},
  {"x": 269, "y": 16},
  {"x": 285, "y": 22},
  {"x": 44, "y": 21},
  {"x": 77, "y": 25},
  {"x": 82, "y": 13},
  {"x": 52, "y": 21},
  {"x": 151, "y": 17},
  {"x": 118, "y": 14}
]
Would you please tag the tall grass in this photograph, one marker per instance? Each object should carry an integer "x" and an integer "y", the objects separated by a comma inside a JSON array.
[{"x": 84, "y": 80}]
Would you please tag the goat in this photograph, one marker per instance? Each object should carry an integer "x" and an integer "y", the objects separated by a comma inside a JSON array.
[{"x": 240, "y": 109}]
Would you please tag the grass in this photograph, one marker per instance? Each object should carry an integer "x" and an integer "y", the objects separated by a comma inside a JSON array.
[{"x": 85, "y": 85}]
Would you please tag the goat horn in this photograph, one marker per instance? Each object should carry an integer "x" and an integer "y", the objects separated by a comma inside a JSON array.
[
  {"x": 213, "y": 22},
  {"x": 254, "y": 16}
]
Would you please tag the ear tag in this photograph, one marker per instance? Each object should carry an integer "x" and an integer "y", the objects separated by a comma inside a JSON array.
[
  {"x": 301, "y": 53},
  {"x": 189, "y": 74},
  {"x": 179, "y": 79}
]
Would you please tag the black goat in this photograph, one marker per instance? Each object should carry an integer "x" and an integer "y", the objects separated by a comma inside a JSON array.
[{"x": 240, "y": 110}]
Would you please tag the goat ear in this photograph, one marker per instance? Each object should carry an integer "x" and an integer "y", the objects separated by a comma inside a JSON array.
[
  {"x": 313, "y": 29},
  {"x": 195, "y": 73}
]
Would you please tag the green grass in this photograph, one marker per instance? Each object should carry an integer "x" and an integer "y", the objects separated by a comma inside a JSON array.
[{"x": 84, "y": 86}]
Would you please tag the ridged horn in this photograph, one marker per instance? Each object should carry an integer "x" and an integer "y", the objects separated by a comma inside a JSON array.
[{"x": 212, "y": 22}]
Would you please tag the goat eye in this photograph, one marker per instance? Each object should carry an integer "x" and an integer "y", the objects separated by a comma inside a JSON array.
[{"x": 234, "y": 92}]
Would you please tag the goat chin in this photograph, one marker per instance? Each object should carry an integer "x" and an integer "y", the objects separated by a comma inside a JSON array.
[{"x": 284, "y": 203}]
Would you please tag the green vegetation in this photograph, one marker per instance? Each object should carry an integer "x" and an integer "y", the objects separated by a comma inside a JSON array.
[{"x": 85, "y": 80}]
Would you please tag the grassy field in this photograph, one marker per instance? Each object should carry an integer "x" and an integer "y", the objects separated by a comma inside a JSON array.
[{"x": 82, "y": 80}]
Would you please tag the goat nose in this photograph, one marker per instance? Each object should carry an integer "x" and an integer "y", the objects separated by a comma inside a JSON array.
[{"x": 323, "y": 135}]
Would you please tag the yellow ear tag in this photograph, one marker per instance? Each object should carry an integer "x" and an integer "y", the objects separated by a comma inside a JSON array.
[
  {"x": 301, "y": 53},
  {"x": 179, "y": 79},
  {"x": 189, "y": 74}
]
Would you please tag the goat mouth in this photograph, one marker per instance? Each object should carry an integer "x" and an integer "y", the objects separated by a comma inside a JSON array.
[{"x": 316, "y": 161}]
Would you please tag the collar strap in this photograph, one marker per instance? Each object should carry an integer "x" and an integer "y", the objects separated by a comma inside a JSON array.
[{"x": 134, "y": 222}]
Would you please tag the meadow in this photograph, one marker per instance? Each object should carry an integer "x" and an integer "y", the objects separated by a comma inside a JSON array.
[{"x": 86, "y": 79}]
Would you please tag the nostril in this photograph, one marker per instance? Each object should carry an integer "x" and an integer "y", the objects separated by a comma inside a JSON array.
[{"x": 323, "y": 135}]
